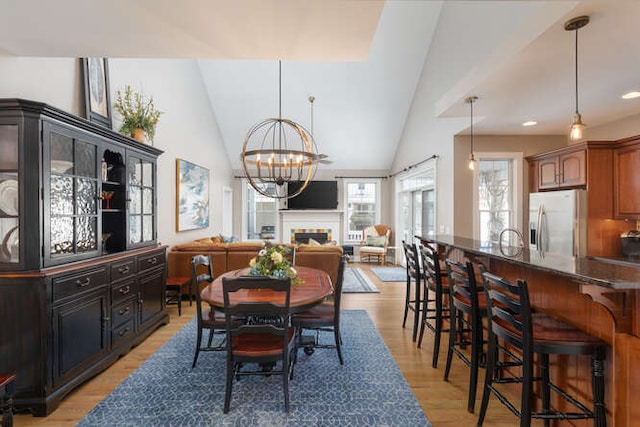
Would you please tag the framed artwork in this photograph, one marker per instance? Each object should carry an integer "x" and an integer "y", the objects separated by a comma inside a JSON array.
[
  {"x": 96, "y": 90},
  {"x": 192, "y": 196}
]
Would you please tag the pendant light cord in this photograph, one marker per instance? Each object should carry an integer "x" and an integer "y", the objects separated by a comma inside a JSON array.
[
  {"x": 471, "y": 103},
  {"x": 576, "y": 71},
  {"x": 280, "y": 89}
]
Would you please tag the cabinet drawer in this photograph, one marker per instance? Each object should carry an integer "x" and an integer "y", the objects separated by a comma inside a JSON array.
[
  {"x": 153, "y": 260},
  {"x": 122, "y": 332},
  {"x": 85, "y": 280},
  {"x": 122, "y": 270},
  {"x": 122, "y": 291},
  {"x": 123, "y": 312}
]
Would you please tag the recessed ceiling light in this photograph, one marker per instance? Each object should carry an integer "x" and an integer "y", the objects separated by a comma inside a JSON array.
[
  {"x": 631, "y": 95},
  {"x": 530, "y": 123}
]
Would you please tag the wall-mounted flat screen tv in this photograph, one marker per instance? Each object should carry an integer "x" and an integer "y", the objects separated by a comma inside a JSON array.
[{"x": 317, "y": 195}]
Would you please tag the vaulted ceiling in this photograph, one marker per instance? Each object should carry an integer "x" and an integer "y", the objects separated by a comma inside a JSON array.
[{"x": 362, "y": 60}]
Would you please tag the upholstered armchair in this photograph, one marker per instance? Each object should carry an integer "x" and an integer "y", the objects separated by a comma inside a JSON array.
[{"x": 375, "y": 239}]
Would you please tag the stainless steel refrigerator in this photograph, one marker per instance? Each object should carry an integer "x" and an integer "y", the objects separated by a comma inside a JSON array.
[{"x": 557, "y": 223}]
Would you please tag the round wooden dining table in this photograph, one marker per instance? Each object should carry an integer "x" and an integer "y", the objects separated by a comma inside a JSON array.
[{"x": 315, "y": 287}]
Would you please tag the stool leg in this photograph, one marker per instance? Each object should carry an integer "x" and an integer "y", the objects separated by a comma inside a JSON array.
[
  {"x": 546, "y": 391},
  {"x": 476, "y": 351},
  {"x": 423, "y": 321},
  {"x": 492, "y": 355},
  {"x": 452, "y": 340},
  {"x": 180, "y": 301},
  {"x": 407, "y": 299},
  {"x": 416, "y": 312},
  {"x": 597, "y": 378}
]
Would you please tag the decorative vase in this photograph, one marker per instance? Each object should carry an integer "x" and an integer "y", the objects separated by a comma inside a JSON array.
[{"x": 138, "y": 134}]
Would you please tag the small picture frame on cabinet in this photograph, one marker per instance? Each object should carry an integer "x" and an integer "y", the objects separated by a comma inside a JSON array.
[{"x": 96, "y": 90}]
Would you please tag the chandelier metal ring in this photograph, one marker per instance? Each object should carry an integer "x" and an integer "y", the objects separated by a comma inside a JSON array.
[{"x": 278, "y": 151}]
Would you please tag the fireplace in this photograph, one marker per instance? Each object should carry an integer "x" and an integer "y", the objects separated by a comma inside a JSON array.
[
  {"x": 302, "y": 235},
  {"x": 320, "y": 225}
]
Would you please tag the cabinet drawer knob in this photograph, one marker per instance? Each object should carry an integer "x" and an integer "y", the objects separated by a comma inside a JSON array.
[
  {"x": 153, "y": 260},
  {"x": 124, "y": 311},
  {"x": 82, "y": 284},
  {"x": 123, "y": 270},
  {"x": 125, "y": 290},
  {"x": 123, "y": 332}
]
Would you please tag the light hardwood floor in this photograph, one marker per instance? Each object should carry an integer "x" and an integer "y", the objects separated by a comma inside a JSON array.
[{"x": 444, "y": 403}]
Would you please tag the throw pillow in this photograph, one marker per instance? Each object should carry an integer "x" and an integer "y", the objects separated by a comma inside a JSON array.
[
  {"x": 376, "y": 241},
  {"x": 313, "y": 242},
  {"x": 230, "y": 239}
]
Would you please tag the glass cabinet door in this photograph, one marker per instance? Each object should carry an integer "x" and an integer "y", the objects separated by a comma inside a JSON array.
[
  {"x": 73, "y": 196},
  {"x": 142, "y": 212},
  {"x": 9, "y": 195}
]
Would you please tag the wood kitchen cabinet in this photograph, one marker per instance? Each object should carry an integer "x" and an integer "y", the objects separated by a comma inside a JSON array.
[
  {"x": 564, "y": 168},
  {"x": 82, "y": 278},
  {"x": 626, "y": 166}
]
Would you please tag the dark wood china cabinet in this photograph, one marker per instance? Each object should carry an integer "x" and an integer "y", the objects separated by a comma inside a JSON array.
[{"x": 81, "y": 273}]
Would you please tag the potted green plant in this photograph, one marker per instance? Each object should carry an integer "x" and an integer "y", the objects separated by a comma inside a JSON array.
[{"x": 138, "y": 112}]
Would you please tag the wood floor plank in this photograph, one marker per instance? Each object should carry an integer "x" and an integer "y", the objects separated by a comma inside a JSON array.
[{"x": 444, "y": 402}]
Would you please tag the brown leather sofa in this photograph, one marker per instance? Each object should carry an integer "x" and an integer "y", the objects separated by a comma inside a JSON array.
[
  {"x": 322, "y": 257},
  {"x": 232, "y": 256}
]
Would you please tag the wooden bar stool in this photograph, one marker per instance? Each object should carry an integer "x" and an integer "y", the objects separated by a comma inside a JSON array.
[
  {"x": 173, "y": 291},
  {"x": 435, "y": 306},
  {"x": 468, "y": 307},
  {"x": 511, "y": 320},
  {"x": 414, "y": 303},
  {"x": 7, "y": 388}
]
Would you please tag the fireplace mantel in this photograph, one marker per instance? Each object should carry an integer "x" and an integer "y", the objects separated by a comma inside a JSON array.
[{"x": 311, "y": 219}]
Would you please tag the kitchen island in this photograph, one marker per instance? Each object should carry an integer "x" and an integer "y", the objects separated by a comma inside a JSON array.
[{"x": 598, "y": 295}]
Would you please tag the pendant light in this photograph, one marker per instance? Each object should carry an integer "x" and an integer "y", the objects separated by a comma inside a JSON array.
[
  {"x": 278, "y": 151},
  {"x": 577, "y": 127},
  {"x": 472, "y": 161}
]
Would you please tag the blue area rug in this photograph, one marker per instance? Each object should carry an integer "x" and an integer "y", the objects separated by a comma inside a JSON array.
[
  {"x": 355, "y": 280},
  {"x": 369, "y": 390},
  {"x": 390, "y": 274}
]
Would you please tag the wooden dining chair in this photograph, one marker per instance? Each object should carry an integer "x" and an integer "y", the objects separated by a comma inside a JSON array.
[
  {"x": 266, "y": 338},
  {"x": 207, "y": 318},
  {"x": 324, "y": 317}
]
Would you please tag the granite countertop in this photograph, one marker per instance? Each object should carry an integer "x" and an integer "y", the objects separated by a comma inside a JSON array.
[{"x": 614, "y": 273}]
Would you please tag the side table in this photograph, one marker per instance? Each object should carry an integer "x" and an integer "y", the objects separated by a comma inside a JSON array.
[
  {"x": 174, "y": 287},
  {"x": 347, "y": 250},
  {"x": 392, "y": 255}
]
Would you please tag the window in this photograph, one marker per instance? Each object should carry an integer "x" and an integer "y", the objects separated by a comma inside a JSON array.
[
  {"x": 497, "y": 191},
  {"x": 417, "y": 197},
  {"x": 262, "y": 214},
  {"x": 362, "y": 201}
]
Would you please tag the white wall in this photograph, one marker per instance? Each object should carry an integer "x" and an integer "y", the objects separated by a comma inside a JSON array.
[
  {"x": 619, "y": 129},
  {"x": 186, "y": 130}
]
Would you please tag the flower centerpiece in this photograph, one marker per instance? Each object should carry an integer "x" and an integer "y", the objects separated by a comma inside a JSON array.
[
  {"x": 271, "y": 261},
  {"x": 138, "y": 112}
]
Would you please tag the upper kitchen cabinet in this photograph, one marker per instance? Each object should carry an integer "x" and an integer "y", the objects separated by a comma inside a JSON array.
[
  {"x": 563, "y": 168},
  {"x": 70, "y": 190},
  {"x": 567, "y": 167},
  {"x": 626, "y": 166}
]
